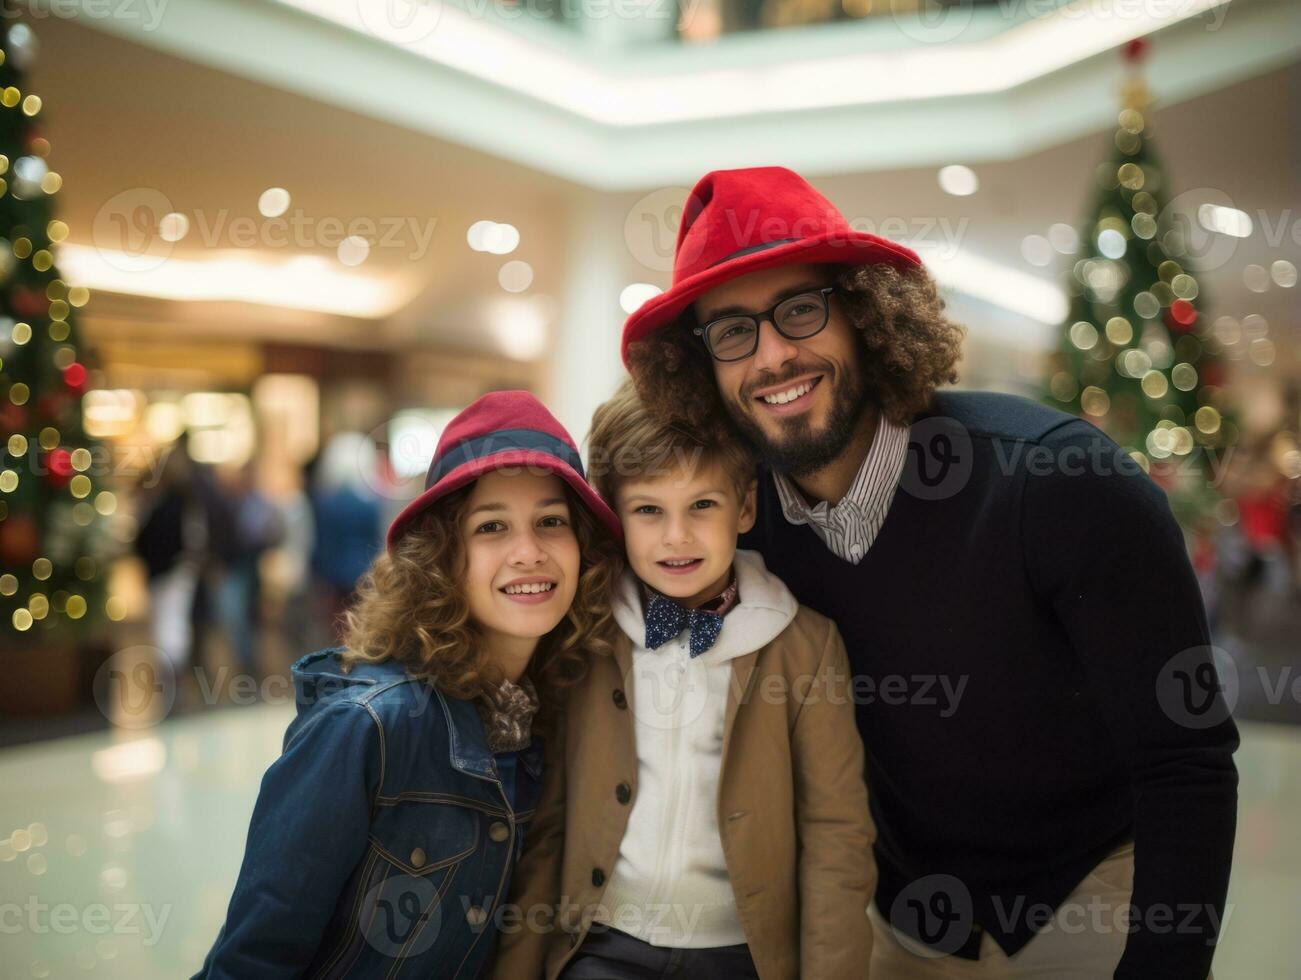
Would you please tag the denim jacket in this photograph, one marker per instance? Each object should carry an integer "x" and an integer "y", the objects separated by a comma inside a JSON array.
[{"x": 382, "y": 842}]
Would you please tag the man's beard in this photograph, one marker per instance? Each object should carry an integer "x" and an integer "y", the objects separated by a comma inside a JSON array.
[{"x": 802, "y": 451}]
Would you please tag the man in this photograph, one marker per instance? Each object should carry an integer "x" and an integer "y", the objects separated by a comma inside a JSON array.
[{"x": 1049, "y": 758}]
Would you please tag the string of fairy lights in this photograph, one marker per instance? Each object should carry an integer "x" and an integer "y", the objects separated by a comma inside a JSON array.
[
  {"x": 1136, "y": 356},
  {"x": 49, "y": 501}
]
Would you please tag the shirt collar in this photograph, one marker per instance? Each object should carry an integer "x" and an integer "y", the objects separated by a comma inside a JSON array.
[
  {"x": 872, "y": 489},
  {"x": 721, "y": 604}
]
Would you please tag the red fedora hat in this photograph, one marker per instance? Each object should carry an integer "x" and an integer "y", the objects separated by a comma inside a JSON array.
[
  {"x": 503, "y": 429},
  {"x": 739, "y": 221}
]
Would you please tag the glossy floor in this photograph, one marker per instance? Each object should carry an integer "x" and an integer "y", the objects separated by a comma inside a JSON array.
[{"x": 119, "y": 852}]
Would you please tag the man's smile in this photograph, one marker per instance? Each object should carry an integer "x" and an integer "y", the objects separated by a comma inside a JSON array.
[{"x": 790, "y": 397}]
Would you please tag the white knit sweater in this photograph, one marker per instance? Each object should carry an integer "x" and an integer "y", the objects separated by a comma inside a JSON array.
[{"x": 670, "y": 885}]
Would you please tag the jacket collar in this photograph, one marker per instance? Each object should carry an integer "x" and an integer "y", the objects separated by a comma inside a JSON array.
[
  {"x": 317, "y": 675},
  {"x": 766, "y": 608},
  {"x": 468, "y": 746}
]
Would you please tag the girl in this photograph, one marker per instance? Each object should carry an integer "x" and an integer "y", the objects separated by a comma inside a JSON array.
[{"x": 383, "y": 839}]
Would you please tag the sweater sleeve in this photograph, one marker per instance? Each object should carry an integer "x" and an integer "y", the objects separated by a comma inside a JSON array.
[
  {"x": 1105, "y": 553},
  {"x": 837, "y": 873},
  {"x": 309, "y": 830}
]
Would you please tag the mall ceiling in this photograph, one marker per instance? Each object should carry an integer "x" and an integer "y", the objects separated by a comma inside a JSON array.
[{"x": 127, "y": 119}]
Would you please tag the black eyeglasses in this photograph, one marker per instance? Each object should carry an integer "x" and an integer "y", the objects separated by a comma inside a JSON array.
[{"x": 736, "y": 336}]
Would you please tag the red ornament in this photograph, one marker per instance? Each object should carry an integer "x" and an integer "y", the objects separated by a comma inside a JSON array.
[
  {"x": 1181, "y": 316},
  {"x": 1136, "y": 50},
  {"x": 29, "y": 302},
  {"x": 74, "y": 376},
  {"x": 58, "y": 467},
  {"x": 19, "y": 540}
]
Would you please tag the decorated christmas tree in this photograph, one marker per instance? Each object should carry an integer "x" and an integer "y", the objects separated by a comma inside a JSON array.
[
  {"x": 1137, "y": 358},
  {"x": 53, "y": 543}
]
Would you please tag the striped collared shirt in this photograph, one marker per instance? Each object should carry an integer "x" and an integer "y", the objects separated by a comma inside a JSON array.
[{"x": 849, "y": 528}]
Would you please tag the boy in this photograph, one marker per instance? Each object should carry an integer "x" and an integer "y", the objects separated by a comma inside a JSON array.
[{"x": 704, "y": 811}]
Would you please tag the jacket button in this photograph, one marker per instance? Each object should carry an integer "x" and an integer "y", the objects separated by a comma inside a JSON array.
[
  {"x": 498, "y": 831},
  {"x": 418, "y": 858},
  {"x": 623, "y": 793},
  {"x": 476, "y": 916},
  {"x": 620, "y": 699},
  {"x": 598, "y": 877}
]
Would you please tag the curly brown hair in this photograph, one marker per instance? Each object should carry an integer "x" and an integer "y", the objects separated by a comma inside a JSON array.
[
  {"x": 909, "y": 349},
  {"x": 628, "y": 442},
  {"x": 411, "y": 607}
]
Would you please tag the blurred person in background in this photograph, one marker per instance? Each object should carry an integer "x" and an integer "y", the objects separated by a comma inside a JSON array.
[
  {"x": 1263, "y": 515},
  {"x": 1254, "y": 554},
  {"x": 300, "y": 624},
  {"x": 246, "y": 524},
  {"x": 347, "y": 517},
  {"x": 172, "y": 541}
]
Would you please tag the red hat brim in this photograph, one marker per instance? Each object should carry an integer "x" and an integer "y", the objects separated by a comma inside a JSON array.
[
  {"x": 855, "y": 248},
  {"x": 472, "y": 470}
]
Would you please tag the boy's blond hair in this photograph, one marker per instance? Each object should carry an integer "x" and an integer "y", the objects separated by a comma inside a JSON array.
[{"x": 628, "y": 442}]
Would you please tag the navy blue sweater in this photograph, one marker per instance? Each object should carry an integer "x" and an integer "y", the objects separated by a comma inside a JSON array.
[{"x": 1030, "y": 652}]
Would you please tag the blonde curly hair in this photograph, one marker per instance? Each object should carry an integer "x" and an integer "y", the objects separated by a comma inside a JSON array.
[
  {"x": 908, "y": 346},
  {"x": 411, "y": 607}
]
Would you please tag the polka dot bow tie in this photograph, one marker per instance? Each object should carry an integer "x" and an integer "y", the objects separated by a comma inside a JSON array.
[{"x": 665, "y": 619}]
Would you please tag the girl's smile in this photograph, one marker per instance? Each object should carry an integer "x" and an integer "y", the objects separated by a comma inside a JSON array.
[{"x": 530, "y": 591}]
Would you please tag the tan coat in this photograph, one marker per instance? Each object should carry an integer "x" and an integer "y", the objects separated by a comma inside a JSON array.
[{"x": 792, "y": 810}]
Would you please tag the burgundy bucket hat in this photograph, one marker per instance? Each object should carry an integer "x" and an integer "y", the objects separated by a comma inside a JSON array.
[{"x": 503, "y": 429}]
